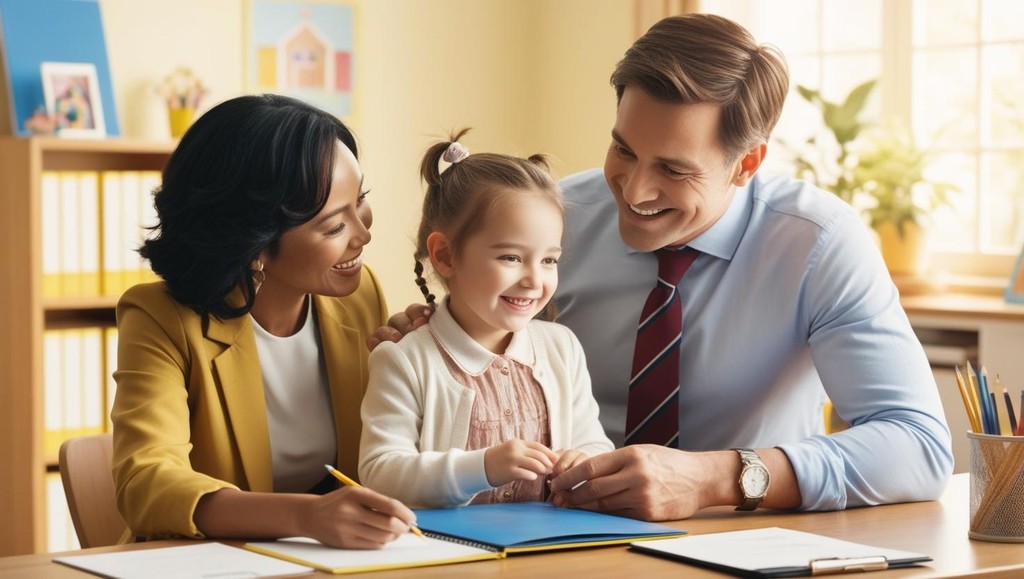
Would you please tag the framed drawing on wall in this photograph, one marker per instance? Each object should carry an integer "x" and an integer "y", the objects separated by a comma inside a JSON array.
[
  {"x": 72, "y": 95},
  {"x": 303, "y": 48}
]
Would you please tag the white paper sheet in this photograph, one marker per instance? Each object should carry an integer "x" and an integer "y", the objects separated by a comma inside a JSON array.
[{"x": 203, "y": 561}]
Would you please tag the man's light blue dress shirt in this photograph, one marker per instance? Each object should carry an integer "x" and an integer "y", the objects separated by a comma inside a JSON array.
[{"x": 790, "y": 303}]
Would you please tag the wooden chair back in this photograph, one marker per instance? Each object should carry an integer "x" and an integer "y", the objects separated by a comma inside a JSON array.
[{"x": 85, "y": 470}]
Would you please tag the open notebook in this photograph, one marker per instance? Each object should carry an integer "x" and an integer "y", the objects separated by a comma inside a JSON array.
[{"x": 474, "y": 533}]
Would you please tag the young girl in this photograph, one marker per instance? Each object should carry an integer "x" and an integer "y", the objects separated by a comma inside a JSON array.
[{"x": 470, "y": 406}]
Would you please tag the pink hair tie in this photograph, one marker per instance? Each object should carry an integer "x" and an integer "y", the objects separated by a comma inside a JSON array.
[{"x": 455, "y": 153}]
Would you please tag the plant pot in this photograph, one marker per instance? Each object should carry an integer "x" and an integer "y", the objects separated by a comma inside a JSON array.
[
  {"x": 906, "y": 254},
  {"x": 179, "y": 120}
]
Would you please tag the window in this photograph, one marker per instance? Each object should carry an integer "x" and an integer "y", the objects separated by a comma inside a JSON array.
[{"x": 952, "y": 70}]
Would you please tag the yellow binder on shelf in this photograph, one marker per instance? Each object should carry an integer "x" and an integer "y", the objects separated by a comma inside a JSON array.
[
  {"x": 89, "y": 231},
  {"x": 92, "y": 383},
  {"x": 110, "y": 364},
  {"x": 72, "y": 384},
  {"x": 53, "y": 391},
  {"x": 71, "y": 217},
  {"x": 51, "y": 226},
  {"x": 111, "y": 236},
  {"x": 60, "y": 530}
]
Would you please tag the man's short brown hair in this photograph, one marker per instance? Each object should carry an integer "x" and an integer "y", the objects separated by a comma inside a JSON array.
[{"x": 703, "y": 58}]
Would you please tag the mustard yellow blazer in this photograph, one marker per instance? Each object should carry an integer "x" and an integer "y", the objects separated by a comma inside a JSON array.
[{"x": 189, "y": 415}]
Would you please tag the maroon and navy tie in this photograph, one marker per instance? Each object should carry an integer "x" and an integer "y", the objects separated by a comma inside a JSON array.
[{"x": 652, "y": 415}]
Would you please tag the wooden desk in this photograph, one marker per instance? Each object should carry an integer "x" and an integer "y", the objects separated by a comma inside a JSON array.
[{"x": 937, "y": 528}]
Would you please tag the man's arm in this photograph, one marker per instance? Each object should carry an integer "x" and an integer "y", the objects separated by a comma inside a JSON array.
[
  {"x": 877, "y": 376},
  {"x": 656, "y": 483}
]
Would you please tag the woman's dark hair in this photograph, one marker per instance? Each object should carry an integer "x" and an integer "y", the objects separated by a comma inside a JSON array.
[{"x": 248, "y": 170}]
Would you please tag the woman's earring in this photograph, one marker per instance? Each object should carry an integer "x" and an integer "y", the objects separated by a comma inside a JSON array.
[{"x": 258, "y": 277}]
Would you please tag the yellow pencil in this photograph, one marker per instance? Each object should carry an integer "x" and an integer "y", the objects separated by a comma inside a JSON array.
[
  {"x": 349, "y": 482},
  {"x": 972, "y": 415},
  {"x": 972, "y": 389}
]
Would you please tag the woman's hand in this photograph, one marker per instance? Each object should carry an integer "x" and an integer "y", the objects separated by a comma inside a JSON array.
[
  {"x": 517, "y": 460},
  {"x": 356, "y": 518},
  {"x": 399, "y": 325}
]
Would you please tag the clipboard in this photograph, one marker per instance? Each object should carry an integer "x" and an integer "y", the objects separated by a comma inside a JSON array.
[{"x": 778, "y": 552}]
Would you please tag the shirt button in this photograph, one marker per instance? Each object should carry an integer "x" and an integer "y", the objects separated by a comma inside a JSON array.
[
  {"x": 504, "y": 370},
  {"x": 506, "y": 495},
  {"x": 508, "y": 412}
]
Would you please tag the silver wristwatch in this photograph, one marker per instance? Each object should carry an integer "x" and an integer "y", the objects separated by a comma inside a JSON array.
[{"x": 754, "y": 479}]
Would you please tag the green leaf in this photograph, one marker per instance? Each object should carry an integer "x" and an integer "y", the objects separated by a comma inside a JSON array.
[
  {"x": 810, "y": 95},
  {"x": 857, "y": 98}
]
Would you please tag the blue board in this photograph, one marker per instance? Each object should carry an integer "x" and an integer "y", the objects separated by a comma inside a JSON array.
[{"x": 37, "y": 31}]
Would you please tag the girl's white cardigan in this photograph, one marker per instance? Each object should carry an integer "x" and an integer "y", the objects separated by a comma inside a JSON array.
[{"x": 416, "y": 415}]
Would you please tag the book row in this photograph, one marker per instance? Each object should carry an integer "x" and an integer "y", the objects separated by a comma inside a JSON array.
[
  {"x": 60, "y": 529},
  {"x": 93, "y": 223},
  {"x": 78, "y": 386}
]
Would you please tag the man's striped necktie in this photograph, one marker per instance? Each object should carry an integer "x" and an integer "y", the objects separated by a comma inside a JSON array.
[{"x": 652, "y": 415}]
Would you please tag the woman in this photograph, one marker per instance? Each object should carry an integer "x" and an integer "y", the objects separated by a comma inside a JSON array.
[{"x": 241, "y": 374}]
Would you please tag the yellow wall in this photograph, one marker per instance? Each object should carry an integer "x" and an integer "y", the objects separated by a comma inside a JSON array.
[{"x": 528, "y": 75}]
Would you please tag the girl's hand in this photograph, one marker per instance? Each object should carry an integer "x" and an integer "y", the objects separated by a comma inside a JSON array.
[
  {"x": 356, "y": 518},
  {"x": 517, "y": 460},
  {"x": 399, "y": 325},
  {"x": 566, "y": 460}
]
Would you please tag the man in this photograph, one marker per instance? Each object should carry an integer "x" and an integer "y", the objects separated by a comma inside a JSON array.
[{"x": 785, "y": 301}]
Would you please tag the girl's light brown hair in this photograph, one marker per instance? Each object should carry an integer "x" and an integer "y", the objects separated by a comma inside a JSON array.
[{"x": 459, "y": 199}]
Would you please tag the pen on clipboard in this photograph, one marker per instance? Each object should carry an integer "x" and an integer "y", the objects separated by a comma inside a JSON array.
[{"x": 349, "y": 482}]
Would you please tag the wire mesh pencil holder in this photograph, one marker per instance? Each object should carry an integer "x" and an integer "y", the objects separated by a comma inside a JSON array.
[{"x": 997, "y": 488}]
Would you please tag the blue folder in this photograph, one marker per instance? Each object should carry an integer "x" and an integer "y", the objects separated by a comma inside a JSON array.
[{"x": 522, "y": 527}]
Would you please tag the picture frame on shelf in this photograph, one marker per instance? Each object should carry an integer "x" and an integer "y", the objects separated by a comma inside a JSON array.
[
  {"x": 30, "y": 35},
  {"x": 1014, "y": 293},
  {"x": 72, "y": 94},
  {"x": 306, "y": 49}
]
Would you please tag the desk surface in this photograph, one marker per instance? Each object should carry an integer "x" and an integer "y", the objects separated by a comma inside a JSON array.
[
  {"x": 963, "y": 305},
  {"x": 937, "y": 528}
]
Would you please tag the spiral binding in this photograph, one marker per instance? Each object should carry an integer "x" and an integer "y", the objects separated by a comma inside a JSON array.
[{"x": 461, "y": 541}]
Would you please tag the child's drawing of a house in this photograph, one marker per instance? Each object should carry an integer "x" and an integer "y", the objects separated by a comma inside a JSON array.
[{"x": 304, "y": 58}]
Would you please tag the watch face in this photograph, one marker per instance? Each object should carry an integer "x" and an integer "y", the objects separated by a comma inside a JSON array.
[{"x": 755, "y": 481}]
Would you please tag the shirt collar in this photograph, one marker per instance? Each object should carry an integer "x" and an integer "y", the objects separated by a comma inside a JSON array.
[
  {"x": 722, "y": 238},
  {"x": 469, "y": 354}
]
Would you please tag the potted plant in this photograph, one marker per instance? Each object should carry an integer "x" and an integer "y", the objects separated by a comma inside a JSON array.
[{"x": 877, "y": 169}]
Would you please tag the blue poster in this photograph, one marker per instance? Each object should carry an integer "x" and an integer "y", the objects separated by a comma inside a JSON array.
[{"x": 36, "y": 31}]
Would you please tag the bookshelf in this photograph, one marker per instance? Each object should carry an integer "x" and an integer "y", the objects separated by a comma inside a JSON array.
[{"x": 26, "y": 314}]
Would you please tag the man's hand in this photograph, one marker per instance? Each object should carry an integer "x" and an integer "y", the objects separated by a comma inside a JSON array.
[
  {"x": 645, "y": 481},
  {"x": 399, "y": 325}
]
